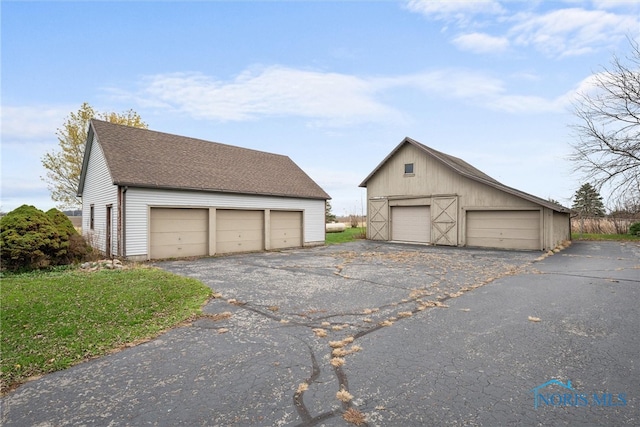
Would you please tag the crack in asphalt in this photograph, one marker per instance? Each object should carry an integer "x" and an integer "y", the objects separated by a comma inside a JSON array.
[
  {"x": 585, "y": 276},
  {"x": 386, "y": 315}
]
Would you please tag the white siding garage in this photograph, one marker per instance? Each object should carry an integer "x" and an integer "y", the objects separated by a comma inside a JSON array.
[
  {"x": 286, "y": 229},
  {"x": 176, "y": 233},
  {"x": 504, "y": 229},
  {"x": 239, "y": 231},
  {"x": 411, "y": 224},
  {"x": 163, "y": 204}
]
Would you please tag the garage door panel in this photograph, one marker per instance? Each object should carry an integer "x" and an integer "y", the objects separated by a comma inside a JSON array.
[
  {"x": 239, "y": 231},
  {"x": 178, "y": 232},
  {"x": 411, "y": 224},
  {"x": 190, "y": 225},
  {"x": 189, "y": 238},
  {"x": 504, "y": 229},
  {"x": 504, "y": 233},
  {"x": 286, "y": 229}
]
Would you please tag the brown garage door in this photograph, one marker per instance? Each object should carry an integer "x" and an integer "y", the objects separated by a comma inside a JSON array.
[
  {"x": 504, "y": 229},
  {"x": 178, "y": 232},
  {"x": 411, "y": 224},
  {"x": 239, "y": 231},
  {"x": 286, "y": 229}
]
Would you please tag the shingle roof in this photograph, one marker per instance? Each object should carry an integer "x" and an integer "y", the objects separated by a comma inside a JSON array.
[
  {"x": 465, "y": 169},
  {"x": 145, "y": 158}
]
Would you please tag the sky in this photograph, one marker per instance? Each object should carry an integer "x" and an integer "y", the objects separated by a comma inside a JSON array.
[{"x": 334, "y": 85}]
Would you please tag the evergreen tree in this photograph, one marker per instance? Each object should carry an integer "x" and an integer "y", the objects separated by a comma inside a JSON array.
[
  {"x": 587, "y": 202},
  {"x": 328, "y": 215}
]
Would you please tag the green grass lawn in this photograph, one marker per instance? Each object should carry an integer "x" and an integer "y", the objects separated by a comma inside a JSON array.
[
  {"x": 52, "y": 320},
  {"x": 617, "y": 237},
  {"x": 347, "y": 235}
]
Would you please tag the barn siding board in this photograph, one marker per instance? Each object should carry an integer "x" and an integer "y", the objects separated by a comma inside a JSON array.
[
  {"x": 100, "y": 192},
  {"x": 140, "y": 200}
]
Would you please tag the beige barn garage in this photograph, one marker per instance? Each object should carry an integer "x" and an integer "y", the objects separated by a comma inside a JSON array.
[
  {"x": 420, "y": 195},
  {"x": 153, "y": 195}
]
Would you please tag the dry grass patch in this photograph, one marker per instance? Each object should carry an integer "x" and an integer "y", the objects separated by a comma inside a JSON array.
[
  {"x": 337, "y": 361},
  {"x": 340, "y": 344},
  {"x": 344, "y": 396},
  {"x": 385, "y": 323},
  {"x": 353, "y": 416},
  {"x": 432, "y": 303},
  {"x": 339, "y": 352},
  {"x": 325, "y": 324},
  {"x": 218, "y": 316},
  {"x": 321, "y": 333},
  {"x": 302, "y": 387},
  {"x": 405, "y": 314},
  {"x": 418, "y": 293}
]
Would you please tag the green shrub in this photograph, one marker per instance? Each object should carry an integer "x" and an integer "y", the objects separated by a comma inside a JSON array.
[
  {"x": 73, "y": 247},
  {"x": 634, "y": 229},
  {"x": 28, "y": 239}
]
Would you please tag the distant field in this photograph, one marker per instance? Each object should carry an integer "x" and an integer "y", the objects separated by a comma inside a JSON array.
[{"x": 601, "y": 226}]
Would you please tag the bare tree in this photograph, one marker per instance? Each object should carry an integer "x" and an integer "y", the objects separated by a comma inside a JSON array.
[{"x": 607, "y": 146}]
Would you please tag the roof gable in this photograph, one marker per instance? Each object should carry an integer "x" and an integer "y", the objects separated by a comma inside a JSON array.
[
  {"x": 145, "y": 158},
  {"x": 465, "y": 169}
]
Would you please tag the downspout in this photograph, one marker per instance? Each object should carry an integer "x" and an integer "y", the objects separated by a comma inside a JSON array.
[{"x": 124, "y": 222}]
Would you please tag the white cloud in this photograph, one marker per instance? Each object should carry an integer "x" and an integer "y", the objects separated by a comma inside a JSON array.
[
  {"x": 28, "y": 123},
  {"x": 481, "y": 43},
  {"x": 526, "y": 104},
  {"x": 458, "y": 84},
  {"x": 327, "y": 100},
  {"x": 564, "y": 32},
  {"x": 454, "y": 10},
  {"x": 570, "y": 32},
  {"x": 334, "y": 98}
]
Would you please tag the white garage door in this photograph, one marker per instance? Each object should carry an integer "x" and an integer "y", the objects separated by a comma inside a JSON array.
[
  {"x": 177, "y": 232},
  {"x": 504, "y": 229},
  {"x": 239, "y": 231},
  {"x": 411, "y": 224},
  {"x": 286, "y": 229}
]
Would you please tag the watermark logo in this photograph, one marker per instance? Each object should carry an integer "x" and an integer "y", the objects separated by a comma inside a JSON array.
[{"x": 547, "y": 395}]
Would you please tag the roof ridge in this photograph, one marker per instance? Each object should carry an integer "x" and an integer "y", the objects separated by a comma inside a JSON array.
[{"x": 175, "y": 135}]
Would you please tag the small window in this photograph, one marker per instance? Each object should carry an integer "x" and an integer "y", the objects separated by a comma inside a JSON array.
[
  {"x": 91, "y": 217},
  {"x": 408, "y": 168}
]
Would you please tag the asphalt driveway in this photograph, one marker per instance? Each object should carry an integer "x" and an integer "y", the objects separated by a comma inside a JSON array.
[{"x": 404, "y": 335}]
